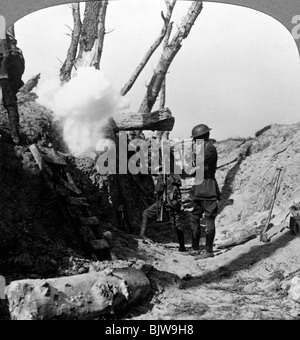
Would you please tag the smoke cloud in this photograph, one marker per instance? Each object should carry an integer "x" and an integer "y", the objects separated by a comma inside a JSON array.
[{"x": 83, "y": 106}]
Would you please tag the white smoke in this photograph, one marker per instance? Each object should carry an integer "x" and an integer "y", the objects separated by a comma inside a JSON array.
[{"x": 83, "y": 106}]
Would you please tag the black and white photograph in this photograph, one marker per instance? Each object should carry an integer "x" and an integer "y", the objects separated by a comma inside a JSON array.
[{"x": 149, "y": 162}]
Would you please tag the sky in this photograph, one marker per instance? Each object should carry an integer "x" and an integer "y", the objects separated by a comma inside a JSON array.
[{"x": 237, "y": 71}]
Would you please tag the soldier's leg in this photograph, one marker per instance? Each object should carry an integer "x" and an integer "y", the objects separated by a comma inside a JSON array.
[
  {"x": 195, "y": 216},
  {"x": 202, "y": 233},
  {"x": 211, "y": 211},
  {"x": 148, "y": 214},
  {"x": 10, "y": 103},
  {"x": 179, "y": 231}
]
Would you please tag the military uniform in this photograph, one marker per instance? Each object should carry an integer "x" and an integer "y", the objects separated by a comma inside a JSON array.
[
  {"x": 10, "y": 83},
  {"x": 204, "y": 199},
  {"x": 173, "y": 184}
]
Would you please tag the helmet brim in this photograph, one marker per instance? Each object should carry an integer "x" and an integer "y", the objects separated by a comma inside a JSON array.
[{"x": 202, "y": 134}]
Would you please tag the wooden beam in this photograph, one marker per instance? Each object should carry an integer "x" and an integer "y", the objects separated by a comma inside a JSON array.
[
  {"x": 100, "y": 245},
  {"x": 78, "y": 201},
  {"x": 50, "y": 156},
  {"x": 160, "y": 120},
  {"x": 70, "y": 186},
  {"x": 89, "y": 221},
  {"x": 37, "y": 155}
]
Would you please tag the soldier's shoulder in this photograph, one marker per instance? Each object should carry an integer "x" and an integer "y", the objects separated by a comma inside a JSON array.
[{"x": 210, "y": 146}]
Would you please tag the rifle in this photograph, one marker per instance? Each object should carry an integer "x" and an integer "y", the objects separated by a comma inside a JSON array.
[
  {"x": 160, "y": 209},
  {"x": 162, "y": 204},
  {"x": 163, "y": 207},
  {"x": 3, "y": 51}
]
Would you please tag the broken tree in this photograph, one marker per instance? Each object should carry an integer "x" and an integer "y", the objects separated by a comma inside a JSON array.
[
  {"x": 80, "y": 297},
  {"x": 131, "y": 194},
  {"x": 161, "y": 120}
]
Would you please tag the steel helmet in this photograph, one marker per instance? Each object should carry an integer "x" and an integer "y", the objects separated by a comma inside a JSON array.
[{"x": 200, "y": 130}]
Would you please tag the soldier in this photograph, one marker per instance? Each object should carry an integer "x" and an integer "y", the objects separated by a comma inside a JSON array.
[
  {"x": 205, "y": 195},
  {"x": 172, "y": 203},
  {"x": 11, "y": 70}
]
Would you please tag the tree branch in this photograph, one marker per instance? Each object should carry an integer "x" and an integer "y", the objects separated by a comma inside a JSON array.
[
  {"x": 168, "y": 56},
  {"x": 66, "y": 69},
  {"x": 151, "y": 50}
]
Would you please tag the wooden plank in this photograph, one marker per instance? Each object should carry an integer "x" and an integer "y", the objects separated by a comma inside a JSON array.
[
  {"x": 70, "y": 186},
  {"x": 51, "y": 160},
  {"x": 160, "y": 120},
  {"x": 77, "y": 201},
  {"x": 89, "y": 221},
  {"x": 50, "y": 156},
  {"x": 70, "y": 179},
  {"x": 99, "y": 245},
  {"x": 62, "y": 191},
  {"x": 46, "y": 171},
  {"x": 37, "y": 155},
  {"x": 87, "y": 234}
]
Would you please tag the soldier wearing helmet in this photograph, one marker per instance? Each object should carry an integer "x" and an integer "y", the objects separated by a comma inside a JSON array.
[{"x": 205, "y": 196}]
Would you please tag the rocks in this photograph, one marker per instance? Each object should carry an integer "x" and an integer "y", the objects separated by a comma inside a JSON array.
[{"x": 294, "y": 291}]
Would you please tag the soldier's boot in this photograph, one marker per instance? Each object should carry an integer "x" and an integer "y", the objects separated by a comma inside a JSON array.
[
  {"x": 196, "y": 233},
  {"x": 202, "y": 242},
  {"x": 144, "y": 227},
  {"x": 180, "y": 236},
  {"x": 210, "y": 237},
  {"x": 13, "y": 117}
]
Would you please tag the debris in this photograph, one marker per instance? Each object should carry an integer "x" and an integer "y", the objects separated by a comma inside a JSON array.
[{"x": 73, "y": 204}]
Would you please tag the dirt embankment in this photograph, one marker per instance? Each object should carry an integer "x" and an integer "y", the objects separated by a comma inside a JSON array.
[
  {"x": 37, "y": 240},
  {"x": 248, "y": 185}
]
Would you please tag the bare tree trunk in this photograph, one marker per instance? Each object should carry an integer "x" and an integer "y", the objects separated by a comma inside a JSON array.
[
  {"x": 164, "y": 85},
  {"x": 170, "y": 50},
  {"x": 101, "y": 32},
  {"x": 92, "y": 34},
  {"x": 160, "y": 135},
  {"x": 66, "y": 70},
  {"x": 133, "y": 192},
  {"x": 89, "y": 32},
  {"x": 168, "y": 56},
  {"x": 152, "y": 49}
]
